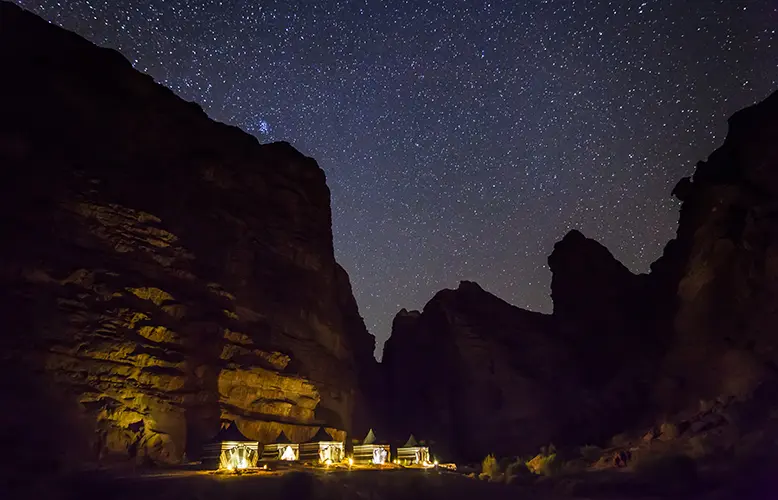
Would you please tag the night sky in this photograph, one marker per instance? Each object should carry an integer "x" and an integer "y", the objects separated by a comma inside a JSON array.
[{"x": 461, "y": 139}]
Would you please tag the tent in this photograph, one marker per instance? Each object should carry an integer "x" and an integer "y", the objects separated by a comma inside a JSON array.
[
  {"x": 230, "y": 449},
  {"x": 371, "y": 451},
  {"x": 322, "y": 448},
  {"x": 412, "y": 453},
  {"x": 281, "y": 449}
]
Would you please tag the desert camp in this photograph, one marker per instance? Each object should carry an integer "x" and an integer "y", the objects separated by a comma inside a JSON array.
[{"x": 230, "y": 449}]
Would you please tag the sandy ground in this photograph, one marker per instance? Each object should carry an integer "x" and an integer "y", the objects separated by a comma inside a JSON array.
[
  {"x": 288, "y": 485},
  {"x": 369, "y": 484}
]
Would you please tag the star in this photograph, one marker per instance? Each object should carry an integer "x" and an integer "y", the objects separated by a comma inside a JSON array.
[{"x": 462, "y": 139}]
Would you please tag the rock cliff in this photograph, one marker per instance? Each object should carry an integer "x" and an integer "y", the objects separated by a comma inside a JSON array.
[
  {"x": 724, "y": 266},
  {"x": 478, "y": 375},
  {"x": 475, "y": 374},
  {"x": 620, "y": 350},
  {"x": 161, "y": 270}
]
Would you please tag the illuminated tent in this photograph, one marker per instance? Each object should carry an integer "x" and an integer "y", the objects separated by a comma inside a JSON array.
[
  {"x": 230, "y": 449},
  {"x": 322, "y": 448},
  {"x": 281, "y": 449},
  {"x": 372, "y": 452},
  {"x": 412, "y": 453}
]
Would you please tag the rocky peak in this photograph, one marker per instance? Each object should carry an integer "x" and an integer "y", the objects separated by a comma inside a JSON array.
[{"x": 586, "y": 277}]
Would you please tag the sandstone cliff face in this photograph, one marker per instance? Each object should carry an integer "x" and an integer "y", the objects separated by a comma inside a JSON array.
[
  {"x": 164, "y": 270},
  {"x": 724, "y": 263},
  {"x": 475, "y": 374}
]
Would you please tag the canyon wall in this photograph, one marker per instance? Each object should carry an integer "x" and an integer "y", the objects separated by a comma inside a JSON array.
[
  {"x": 620, "y": 350},
  {"x": 478, "y": 375},
  {"x": 473, "y": 374},
  {"x": 161, "y": 272},
  {"x": 724, "y": 264}
]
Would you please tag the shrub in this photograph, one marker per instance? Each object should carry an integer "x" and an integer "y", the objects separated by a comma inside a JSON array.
[
  {"x": 489, "y": 467},
  {"x": 591, "y": 453},
  {"x": 544, "y": 465},
  {"x": 548, "y": 450},
  {"x": 668, "y": 430},
  {"x": 516, "y": 470}
]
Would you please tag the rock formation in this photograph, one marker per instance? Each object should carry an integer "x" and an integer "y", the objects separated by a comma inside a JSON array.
[
  {"x": 162, "y": 270},
  {"x": 475, "y": 374},
  {"x": 620, "y": 349},
  {"x": 724, "y": 266},
  {"x": 479, "y": 375}
]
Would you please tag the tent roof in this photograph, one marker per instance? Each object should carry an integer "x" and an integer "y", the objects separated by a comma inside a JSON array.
[
  {"x": 282, "y": 439},
  {"x": 371, "y": 439},
  {"x": 411, "y": 443},
  {"x": 230, "y": 432},
  {"x": 321, "y": 435}
]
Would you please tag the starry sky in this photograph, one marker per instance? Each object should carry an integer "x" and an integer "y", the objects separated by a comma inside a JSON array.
[{"x": 460, "y": 138}]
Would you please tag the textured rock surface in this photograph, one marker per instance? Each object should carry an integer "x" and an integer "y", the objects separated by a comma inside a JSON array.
[{"x": 164, "y": 270}]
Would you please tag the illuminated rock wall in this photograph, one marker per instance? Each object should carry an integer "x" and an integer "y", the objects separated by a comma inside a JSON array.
[{"x": 164, "y": 270}]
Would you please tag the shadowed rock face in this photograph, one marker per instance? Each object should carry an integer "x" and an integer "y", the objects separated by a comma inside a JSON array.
[
  {"x": 474, "y": 374},
  {"x": 164, "y": 270},
  {"x": 724, "y": 264},
  {"x": 601, "y": 309},
  {"x": 620, "y": 349},
  {"x": 480, "y": 376}
]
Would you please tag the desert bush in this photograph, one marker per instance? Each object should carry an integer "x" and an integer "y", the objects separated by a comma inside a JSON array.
[
  {"x": 668, "y": 430},
  {"x": 668, "y": 468},
  {"x": 544, "y": 465},
  {"x": 548, "y": 450},
  {"x": 503, "y": 463},
  {"x": 516, "y": 470},
  {"x": 489, "y": 467},
  {"x": 591, "y": 453}
]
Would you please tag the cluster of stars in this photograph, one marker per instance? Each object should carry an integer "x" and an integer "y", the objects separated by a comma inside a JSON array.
[{"x": 462, "y": 139}]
